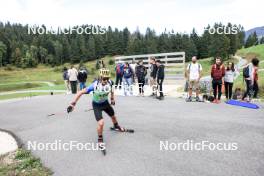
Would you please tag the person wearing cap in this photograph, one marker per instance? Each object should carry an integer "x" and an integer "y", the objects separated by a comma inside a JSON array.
[{"x": 101, "y": 89}]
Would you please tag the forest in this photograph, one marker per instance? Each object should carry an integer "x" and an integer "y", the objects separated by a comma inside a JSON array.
[{"x": 25, "y": 50}]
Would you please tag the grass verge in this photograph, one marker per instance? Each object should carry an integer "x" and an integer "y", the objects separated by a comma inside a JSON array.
[
  {"x": 22, "y": 163},
  {"x": 23, "y": 95}
]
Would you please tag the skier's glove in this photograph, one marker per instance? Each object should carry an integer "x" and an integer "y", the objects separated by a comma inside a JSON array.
[
  {"x": 70, "y": 108},
  {"x": 113, "y": 102}
]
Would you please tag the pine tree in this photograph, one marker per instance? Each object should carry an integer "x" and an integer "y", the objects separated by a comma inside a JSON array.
[
  {"x": 204, "y": 44},
  {"x": 197, "y": 42},
  {"x": 241, "y": 36},
  {"x": 2, "y": 52},
  {"x": 219, "y": 44},
  {"x": 66, "y": 48},
  {"x": 126, "y": 35},
  {"x": 43, "y": 53},
  {"x": 189, "y": 47},
  {"x": 58, "y": 52},
  {"x": 261, "y": 40},
  {"x": 164, "y": 43},
  {"x": 75, "y": 57},
  {"x": 150, "y": 41},
  {"x": 17, "y": 57},
  {"x": 91, "y": 48},
  {"x": 99, "y": 46},
  {"x": 81, "y": 48},
  {"x": 251, "y": 40}
]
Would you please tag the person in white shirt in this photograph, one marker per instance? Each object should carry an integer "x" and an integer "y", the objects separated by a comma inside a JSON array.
[
  {"x": 230, "y": 74},
  {"x": 194, "y": 73},
  {"x": 72, "y": 74}
]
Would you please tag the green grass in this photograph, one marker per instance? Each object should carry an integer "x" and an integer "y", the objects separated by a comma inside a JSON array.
[
  {"x": 254, "y": 51},
  {"x": 46, "y": 73},
  {"x": 25, "y": 79},
  {"x": 45, "y": 87},
  {"x": 206, "y": 65},
  {"x": 11, "y": 87},
  {"x": 261, "y": 65},
  {"x": 23, "y": 164},
  {"x": 23, "y": 95},
  {"x": 41, "y": 73}
]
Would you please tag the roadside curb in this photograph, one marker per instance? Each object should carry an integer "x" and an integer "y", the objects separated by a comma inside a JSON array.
[{"x": 15, "y": 138}]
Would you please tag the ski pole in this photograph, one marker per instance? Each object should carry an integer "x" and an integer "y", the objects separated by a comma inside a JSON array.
[{"x": 63, "y": 113}]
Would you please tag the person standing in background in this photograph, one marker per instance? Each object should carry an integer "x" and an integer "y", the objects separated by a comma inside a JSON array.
[
  {"x": 153, "y": 75},
  {"x": 217, "y": 74},
  {"x": 119, "y": 74},
  {"x": 250, "y": 74},
  {"x": 194, "y": 74},
  {"x": 160, "y": 79},
  {"x": 133, "y": 67},
  {"x": 66, "y": 79},
  {"x": 82, "y": 77},
  {"x": 230, "y": 74},
  {"x": 128, "y": 80},
  {"x": 141, "y": 73},
  {"x": 73, "y": 73}
]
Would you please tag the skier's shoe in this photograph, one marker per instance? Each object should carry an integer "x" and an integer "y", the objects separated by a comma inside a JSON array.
[
  {"x": 116, "y": 127},
  {"x": 160, "y": 98},
  {"x": 189, "y": 99},
  {"x": 101, "y": 145},
  {"x": 198, "y": 99}
]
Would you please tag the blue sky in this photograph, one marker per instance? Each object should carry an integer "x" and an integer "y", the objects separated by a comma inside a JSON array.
[{"x": 180, "y": 15}]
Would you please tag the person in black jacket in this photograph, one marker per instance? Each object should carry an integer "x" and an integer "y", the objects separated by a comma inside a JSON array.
[
  {"x": 82, "y": 77},
  {"x": 160, "y": 79},
  {"x": 141, "y": 73},
  {"x": 153, "y": 75}
]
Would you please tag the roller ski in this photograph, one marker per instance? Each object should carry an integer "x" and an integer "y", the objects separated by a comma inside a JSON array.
[{"x": 119, "y": 129}]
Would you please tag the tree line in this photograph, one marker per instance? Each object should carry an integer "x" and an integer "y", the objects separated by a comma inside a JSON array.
[
  {"x": 21, "y": 49},
  {"x": 253, "y": 40}
]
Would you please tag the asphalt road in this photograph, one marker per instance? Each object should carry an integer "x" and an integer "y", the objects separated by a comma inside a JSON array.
[{"x": 171, "y": 120}]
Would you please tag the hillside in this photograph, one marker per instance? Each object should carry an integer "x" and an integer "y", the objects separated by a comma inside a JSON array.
[
  {"x": 254, "y": 51},
  {"x": 259, "y": 31}
]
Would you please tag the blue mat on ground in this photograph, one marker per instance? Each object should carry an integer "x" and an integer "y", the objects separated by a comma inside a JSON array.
[{"x": 243, "y": 104}]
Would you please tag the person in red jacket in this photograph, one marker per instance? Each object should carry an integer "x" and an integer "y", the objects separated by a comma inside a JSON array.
[{"x": 217, "y": 74}]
